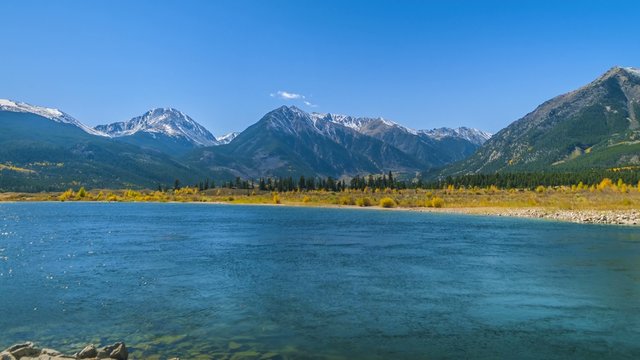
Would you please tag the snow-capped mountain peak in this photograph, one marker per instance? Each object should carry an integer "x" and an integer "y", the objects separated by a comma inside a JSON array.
[
  {"x": 227, "y": 138},
  {"x": 475, "y": 136},
  {"x": 167, "y": 121},
  {"x": 357, "y": 123},
  {"x": 49, "y": 113}
]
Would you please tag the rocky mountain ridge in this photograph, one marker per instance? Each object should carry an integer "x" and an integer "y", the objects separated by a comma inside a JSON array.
[{"x": 594, "y": 126}]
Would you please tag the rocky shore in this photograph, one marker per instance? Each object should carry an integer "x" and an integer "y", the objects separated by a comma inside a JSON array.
[
  {"x": 28, "y": 351},
  {"x": 604, "y": 217},
  {"x": 585, "y": 216}
]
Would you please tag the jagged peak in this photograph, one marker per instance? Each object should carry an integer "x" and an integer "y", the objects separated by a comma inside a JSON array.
[
  {"x": 169, "y": 111},
  {"x": 288, "y": 110},
  {"x": 357, "y": 122},
  {"x": 168, "y": 121},
  {"x": 618, "y": 71}
]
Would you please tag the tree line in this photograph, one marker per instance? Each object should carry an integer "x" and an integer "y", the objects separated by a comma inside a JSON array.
[
  {"x": 531, "y": 180},
  {"x": 525, "y": 180}
]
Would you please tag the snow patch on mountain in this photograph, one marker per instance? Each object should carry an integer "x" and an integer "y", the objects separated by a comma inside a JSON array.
[
  {"x": 360, "y": 124},
  {"x": 49, "y": 113},
  {"x": 356, "y": 123},
  {"x": 166, "y": 121},
  {"x": 633, "y": 70},
  {"x": 475, "y": 136},
  {"x": 227, "y": 138}
]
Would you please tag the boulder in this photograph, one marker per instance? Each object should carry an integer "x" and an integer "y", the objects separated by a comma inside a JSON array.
[
  {"x": 116, "y": 351},
  {"x": 48, "y": 357},
  {"x": 119, "y": 352},
  {"x": 104, "y": 352},
  {"x": 5, "y": 355},
  {"x": 15, "y": 347},
  {"x": 26, "y": 349},
  {"x": 88, "y": 352}
]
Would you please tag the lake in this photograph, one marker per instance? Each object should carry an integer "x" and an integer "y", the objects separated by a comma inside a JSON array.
[{"x": 203, "y": 281}]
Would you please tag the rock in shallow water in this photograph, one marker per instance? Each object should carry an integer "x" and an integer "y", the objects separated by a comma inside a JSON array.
[
  {"x": 22, "y": 350},
  {"x": 119, "y": 352},
  {"x": 28, "y": 351},
  {"x": 88, "y": 352}
]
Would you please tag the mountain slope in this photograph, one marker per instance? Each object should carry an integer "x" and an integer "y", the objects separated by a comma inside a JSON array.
[
  {"x": 163, "y": 129},
  {"x": 474, "y": 136},
  {"x": 432, "y": 148},
  {"x": 53, "y": 155},
  {"x": 594, "y": 126},
  {"x": 49, "y": 113},
  {"x": 288, "y": 141}
]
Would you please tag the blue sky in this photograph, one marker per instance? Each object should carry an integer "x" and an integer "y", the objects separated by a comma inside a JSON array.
[{"x": 424, "y": 64}]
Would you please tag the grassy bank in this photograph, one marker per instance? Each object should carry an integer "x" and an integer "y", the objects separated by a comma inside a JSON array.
[{"x": 608, "y": 196}]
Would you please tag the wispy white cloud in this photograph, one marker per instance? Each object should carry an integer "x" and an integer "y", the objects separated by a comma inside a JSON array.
[{"x": 286, "y": 95}]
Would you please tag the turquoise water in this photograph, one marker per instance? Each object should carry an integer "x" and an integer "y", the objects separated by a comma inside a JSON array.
[{"x": 276, "y": 282}]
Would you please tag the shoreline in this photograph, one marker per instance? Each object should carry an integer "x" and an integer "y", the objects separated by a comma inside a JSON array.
[
  {"x": 587, "y": 216},
  {"x": 584, "y": 216}
]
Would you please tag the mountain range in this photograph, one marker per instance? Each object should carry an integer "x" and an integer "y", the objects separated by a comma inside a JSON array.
[
  {"x": 290, "y": 142},
  {"x": 47, "y": 149},
  {"x": 595, "y": 126}
]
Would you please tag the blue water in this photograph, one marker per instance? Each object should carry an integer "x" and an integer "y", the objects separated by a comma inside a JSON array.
[{"x": 222, "y": 281}]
